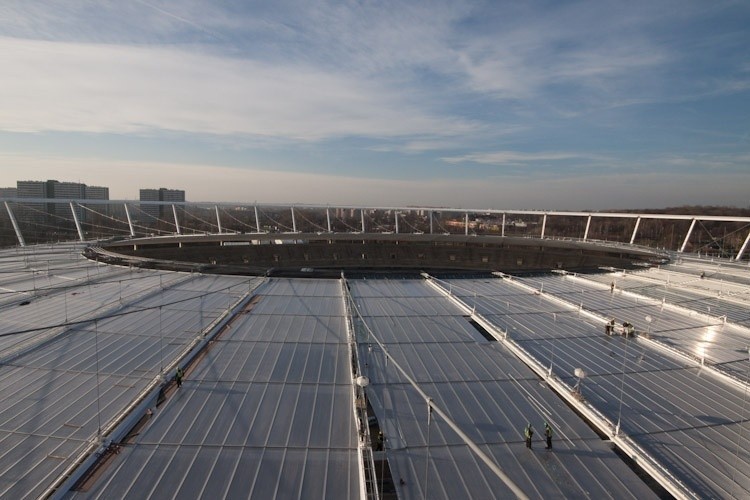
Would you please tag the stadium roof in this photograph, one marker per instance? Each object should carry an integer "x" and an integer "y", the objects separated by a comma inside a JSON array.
[{"x": 269, "y": 406}]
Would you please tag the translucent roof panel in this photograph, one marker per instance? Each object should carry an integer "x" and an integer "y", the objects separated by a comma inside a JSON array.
[
  {"x": 670, "y": 406},
  {"x": 696, "y": 335},
  {"x": 267, "y": 411},
  {"x": 65, "y": 380},
  {"x": 490, "y": 395}
]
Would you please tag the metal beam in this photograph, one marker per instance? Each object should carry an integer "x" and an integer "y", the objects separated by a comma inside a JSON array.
[
  {"x": 466, "y": 223},
  {"x": 687, "y": 236},
  {"x": 78, "y": 224},
  {"x": 328, "y": 218},
  {"x": 176, "y": 222},
  {"x": 744, "y": 247},
  {"x": 130, "y": 221},
  {"x": 431, "y": 231},
  {"x": 257, "y": 219},
  {"x": 502, "y": 231},
  {"x": 635, "y": 230},
  {"x": 395, "y": 215},
  {"x": 19, "y": 236},
  {"x": 218, "y": 219},
  {"x": 544, "y": 225},
  {"x": 294, "y": 221},
  {"x": 362, "y": 214},
  {"x": 614, "y": 215},
  {"x": 588, "y": 225}
]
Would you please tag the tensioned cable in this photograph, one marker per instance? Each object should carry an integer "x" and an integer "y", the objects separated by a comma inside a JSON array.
[
  {"x": 274, "y": 220},
  {"x": 722, "y": 239},
  {"x": 135, "y": 225},
  {"x": 155, "y": 218},
  {"x": 375, "y": 223},
  {"x": 403, "y": 219},
  {"x": 89, "y": 209},
  {"x": 355, "y": 229},
  {"x": 122, "y": 313},
  {"x": 711, "y": 236},
  {"x": 77, "y": 282},
  {"x": 45, "y": 213},
  {"x": 299, "y": 213},
  {"x": 437, "y": 220},
  {"x": 239, "y": 221},
  {"x": 211, "y": 224}
]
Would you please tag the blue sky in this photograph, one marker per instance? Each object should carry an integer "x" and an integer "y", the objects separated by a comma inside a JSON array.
[{"x": 507, "y": 105}]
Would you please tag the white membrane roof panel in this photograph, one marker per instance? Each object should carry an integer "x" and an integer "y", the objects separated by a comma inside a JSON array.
[
  {"x": 266, "y": 412},
  {"x": 490, "y": 395},
  {"x": 660, "y": 399}
]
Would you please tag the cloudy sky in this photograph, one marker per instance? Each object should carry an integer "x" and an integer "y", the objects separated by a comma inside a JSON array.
[{"x": 475, "y": 104}]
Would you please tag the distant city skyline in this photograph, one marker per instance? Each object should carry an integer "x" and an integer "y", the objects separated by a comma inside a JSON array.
[{"x": 563, "y": 105}]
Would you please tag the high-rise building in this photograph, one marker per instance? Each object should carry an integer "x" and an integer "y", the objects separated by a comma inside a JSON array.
[
  {"x": 55, "y": 213},
  {"x": 161, "y": 194},
  {"x": 32, "y": 212},
  {"x": 8, "y": 192},
  {"x": 66, "y": 190},
  {"x": 97, "y": 193},
  {"x": 150, "y": 195},
  {"x": 31, "y": 189},
  {"x": 172, "y": 194}
]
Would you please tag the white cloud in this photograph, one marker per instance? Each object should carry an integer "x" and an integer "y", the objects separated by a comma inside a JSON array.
[
  {"x": 519, "y": 157},
  {"x": 124, "y": 89}
]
